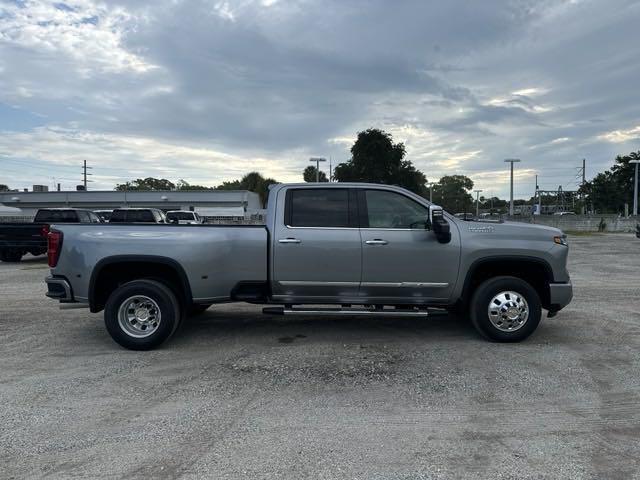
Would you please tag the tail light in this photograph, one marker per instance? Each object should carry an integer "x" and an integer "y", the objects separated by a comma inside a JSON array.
[
  {"x": 44, "y": 231},
  {"x": 54, "y": 245}
]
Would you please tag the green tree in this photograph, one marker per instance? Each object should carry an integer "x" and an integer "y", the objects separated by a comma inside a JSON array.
[
  {"x": 183, "y": 185},
  {"x": 309, "y": 175},
  {"x": 4, "y": 188},
  {"x": 452, "y": 192},
  {"x": 376, "y": 159},
  {"x": 148, "y": 183},
  {"x": 254, "y": 182},
  {"x": 609, "y": 191}
]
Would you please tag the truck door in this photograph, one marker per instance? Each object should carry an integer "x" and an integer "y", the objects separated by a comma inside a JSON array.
[
  {"x": 317, "y": 247},
  {"x": 401, "y": 260}
]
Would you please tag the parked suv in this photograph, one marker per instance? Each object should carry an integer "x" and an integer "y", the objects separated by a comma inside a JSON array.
[
  {"x": 183, "y": 217},
  {"x": 137, "y": 215}
]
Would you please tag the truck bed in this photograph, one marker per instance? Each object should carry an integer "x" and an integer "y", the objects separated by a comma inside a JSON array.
[{"x": 215, "y": 258}]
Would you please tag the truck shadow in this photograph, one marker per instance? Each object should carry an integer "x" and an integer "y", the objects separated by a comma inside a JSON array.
[{"x": 217, "y": 324}]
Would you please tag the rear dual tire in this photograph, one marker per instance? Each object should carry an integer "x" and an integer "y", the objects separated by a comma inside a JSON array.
[{"x": 142, "y": 314}]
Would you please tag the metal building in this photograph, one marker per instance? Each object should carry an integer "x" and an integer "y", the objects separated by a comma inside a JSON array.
[{"x": 207, "y": 203}]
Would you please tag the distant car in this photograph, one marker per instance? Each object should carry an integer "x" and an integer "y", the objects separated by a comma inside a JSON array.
[
  {"x": 562, "y": 214},
  {"x": 104, "y": 215},
  {"x": 184, "y": 217},
  {"x": 490, "y": 217},
  {"x": 465, "y": 216},
  {"x": 137, "y": 215}
]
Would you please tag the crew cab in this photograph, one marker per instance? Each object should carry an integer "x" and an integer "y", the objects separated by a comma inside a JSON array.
[
  {"x": 357, "y": 249},
  {"x": 18, "y": 239}
]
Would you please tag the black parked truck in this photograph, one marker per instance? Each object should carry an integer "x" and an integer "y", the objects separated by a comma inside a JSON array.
[{"x": 18, "y": 239}]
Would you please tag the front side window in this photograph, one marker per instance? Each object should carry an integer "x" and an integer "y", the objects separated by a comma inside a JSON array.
[
  {"x": 393, "y": 210},
  {"x": 318, "y": 207}
]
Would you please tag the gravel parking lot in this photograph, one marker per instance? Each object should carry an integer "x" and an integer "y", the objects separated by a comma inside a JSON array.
[{"x": 239, "y": 395}]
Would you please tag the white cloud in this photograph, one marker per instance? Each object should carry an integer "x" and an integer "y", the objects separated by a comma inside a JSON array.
[
  {"x": 117, "y": 158},
  {"x": 210, "y": 90},
  {"x": 621, "y": 136}
]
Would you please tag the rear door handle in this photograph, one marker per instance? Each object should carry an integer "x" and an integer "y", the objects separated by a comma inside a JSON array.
[
  {"x": 289, "y": 240},
  {"x": 377, "y": 241}
]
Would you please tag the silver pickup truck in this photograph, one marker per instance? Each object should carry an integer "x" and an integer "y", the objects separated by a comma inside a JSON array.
[{"x": 327, "y": 249}]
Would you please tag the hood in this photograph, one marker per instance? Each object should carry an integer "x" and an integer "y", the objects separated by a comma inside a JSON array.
[{"x": 515, "y": 230}]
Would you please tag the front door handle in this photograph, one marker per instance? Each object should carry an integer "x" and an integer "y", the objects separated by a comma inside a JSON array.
[
  {"x": 289, "y": 240},
  {"x": 376, "y": 241}
]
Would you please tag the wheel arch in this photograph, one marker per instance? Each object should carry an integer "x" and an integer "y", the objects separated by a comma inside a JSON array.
[
  {"x": 535, "y": 271},
  {"x": 111, "y": 272}
]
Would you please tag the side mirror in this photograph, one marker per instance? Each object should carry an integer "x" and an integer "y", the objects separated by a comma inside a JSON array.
[{"x": 438, "y": 224}]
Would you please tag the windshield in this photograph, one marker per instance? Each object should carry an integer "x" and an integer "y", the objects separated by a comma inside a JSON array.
[{"x": 56, "y": 216}]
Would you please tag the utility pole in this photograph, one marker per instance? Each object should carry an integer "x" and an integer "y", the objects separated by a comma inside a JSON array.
[
  {"x": 317, "y": 160},
  {"x": 582, "y": 185},
  {"x": 477, "y": 202},
  {"x": 330, "y": 170},
  {"x": 511, "y": 161},
  {"x": 430, "y": 185},
  {"x": 635, "y": 189},
  {"x": 84, "y": 170}
]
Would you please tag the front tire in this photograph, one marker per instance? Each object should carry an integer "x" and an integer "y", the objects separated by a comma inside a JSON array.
[
  {"x": 142, "y": 314},
  {"x": 505, "y": 309}
]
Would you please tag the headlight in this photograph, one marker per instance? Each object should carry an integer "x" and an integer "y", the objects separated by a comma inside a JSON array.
[{"x": 561, "y": 240}]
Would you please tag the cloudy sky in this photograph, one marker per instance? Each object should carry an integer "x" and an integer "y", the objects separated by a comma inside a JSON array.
[{"x": 209, "y": 90}]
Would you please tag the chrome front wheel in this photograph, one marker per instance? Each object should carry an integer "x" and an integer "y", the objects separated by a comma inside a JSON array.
[{"x": 508, "y": 311}]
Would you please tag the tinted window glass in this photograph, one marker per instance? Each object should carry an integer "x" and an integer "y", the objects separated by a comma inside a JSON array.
[
  {"x": 118, "y": 216},
  {"x": 321, "y": 207},
  {"x": 44, "y": 216},
  {"x": 145, "y": 216},
  {"x": 132, "y": 216},
  {"x": 180, "y": 216},
  {"x": 393, "y": 210},
  {"x": 84, "y": 216}
]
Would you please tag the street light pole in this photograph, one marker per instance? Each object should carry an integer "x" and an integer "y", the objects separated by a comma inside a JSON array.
[
  {"x": 635, "y": 189},
  {"x": 477, "y": 204},
  {"x": 317, "y": 160},
  {"x": 430, "y": 185},
  {"x": 511, "y": 161}
]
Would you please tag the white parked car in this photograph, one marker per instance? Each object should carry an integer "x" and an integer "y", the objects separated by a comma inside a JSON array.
[
  {"x": 184, "y": 217},
  {"x": 562, "y": 214}
]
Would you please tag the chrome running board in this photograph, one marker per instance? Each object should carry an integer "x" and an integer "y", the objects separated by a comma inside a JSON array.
[{"x": 345, "y": 311}]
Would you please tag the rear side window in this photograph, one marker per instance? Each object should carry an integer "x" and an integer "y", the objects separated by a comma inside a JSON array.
[
  {"x": 118, "y": 216},
  {"x": 84, "y": 216},
  {"x": 145, "y": 216},
  {"x": 52, "y": 216},
  {"x": 180, "y": 216},
  {"x": 318, "y": 207}
]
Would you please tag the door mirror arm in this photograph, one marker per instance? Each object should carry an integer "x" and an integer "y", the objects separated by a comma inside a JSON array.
[{"x": 438, "y": 224}]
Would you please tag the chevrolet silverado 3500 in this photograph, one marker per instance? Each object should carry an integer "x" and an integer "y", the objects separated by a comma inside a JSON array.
[{"x": 353, "y": 248}]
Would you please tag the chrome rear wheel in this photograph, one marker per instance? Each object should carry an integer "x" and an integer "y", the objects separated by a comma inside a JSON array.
[{"x": 139, "y": 316}]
